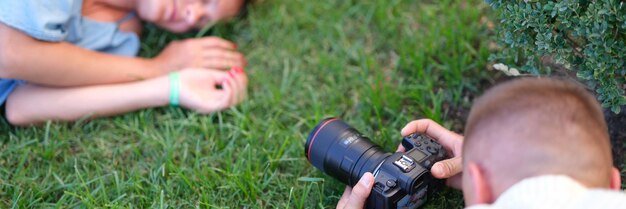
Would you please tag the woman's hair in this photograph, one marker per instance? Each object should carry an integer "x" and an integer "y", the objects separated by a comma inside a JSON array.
[{"x": 243, "y": 12}]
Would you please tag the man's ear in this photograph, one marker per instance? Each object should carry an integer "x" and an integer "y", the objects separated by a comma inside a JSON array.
[
  {"x": 481, "y": 189},
  {"x": 616, "y": 180}
]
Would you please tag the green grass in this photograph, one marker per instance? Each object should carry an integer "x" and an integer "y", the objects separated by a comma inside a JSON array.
[{"x": 378, "y": 64}]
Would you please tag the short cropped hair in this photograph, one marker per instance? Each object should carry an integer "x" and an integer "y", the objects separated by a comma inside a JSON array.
[{"x": 539, "y": 126}]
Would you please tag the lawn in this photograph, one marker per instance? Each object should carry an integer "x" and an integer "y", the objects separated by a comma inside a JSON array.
[{"x": 377, "y": 64}]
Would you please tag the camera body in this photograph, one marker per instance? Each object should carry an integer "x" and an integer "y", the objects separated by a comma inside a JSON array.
[{"x": 402, "y": 179}]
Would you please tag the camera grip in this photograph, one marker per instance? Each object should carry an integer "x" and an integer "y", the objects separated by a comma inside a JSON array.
[{"x": 426, "y": 145}]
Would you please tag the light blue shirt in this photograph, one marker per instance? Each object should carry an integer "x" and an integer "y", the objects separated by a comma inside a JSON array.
[{"x": 62, "y": 21}]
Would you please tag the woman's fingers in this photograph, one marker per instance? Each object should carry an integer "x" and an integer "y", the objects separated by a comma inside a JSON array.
[
  {"x": 344, "y": 197},
  {"x": 234, "y": 81},
  {"x": 222, "y": 64},
  {"x": 223, "y": 53},
  {"x": 234, "y": 88},
  {"x": 209, "y": 90},
  {"x": 223, "y": 98},
  {"x": 242, "y": 78},
  {"x": 223, "y": 59},
  {"x": 210, "y": 42}
]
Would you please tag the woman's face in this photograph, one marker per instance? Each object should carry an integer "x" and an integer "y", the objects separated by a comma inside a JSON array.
[{"x": 183, "y": 15}]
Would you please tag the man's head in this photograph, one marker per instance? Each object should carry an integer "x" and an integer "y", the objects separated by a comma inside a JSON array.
[
  {"x": 531, "y": 127},
  {"x": 183, "y": 15}
]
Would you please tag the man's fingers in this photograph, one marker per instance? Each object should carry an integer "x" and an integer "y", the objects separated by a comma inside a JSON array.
[
  {"x": 429, "y": 127},
  {"x": 425, "y": 126},
  {"x": 455, "y": 182},
  {"x": 344, "y": 197},
  {"x": 360, "y": 192},
  {"x": 401, "y": 148},
  {"x": 447, "y": 168}
]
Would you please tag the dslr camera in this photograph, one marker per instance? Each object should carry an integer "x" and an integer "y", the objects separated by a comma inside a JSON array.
[{"x": 402, "y": 179}]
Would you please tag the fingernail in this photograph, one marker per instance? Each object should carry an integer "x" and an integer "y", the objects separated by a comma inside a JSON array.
[
  {"x": 366, "y": 180},
  {"x": 402, "y": 130},
  {"x": 237, "y": 69},
  {"x": 438, "y": 168}
]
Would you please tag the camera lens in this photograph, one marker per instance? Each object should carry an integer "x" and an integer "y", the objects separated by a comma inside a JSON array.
[{"x": 342, "y": 152}]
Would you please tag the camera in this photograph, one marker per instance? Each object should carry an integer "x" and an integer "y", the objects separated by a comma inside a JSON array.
[{"x": 402, "y": 179}]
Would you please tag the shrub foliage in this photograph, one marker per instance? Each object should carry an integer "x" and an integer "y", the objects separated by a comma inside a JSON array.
[{"x": 586, "y": 36}]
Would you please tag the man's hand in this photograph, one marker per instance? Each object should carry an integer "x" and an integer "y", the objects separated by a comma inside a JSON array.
[
  {"x": 446, "y": 169},
  {"x": 354, "y": 198},
  {"x": 208, "y": 52}
]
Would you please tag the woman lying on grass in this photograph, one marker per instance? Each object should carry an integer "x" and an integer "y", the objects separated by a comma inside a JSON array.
[{"x": 64, "y": 60}]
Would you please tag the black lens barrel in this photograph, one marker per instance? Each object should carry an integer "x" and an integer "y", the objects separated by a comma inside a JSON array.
[{"x": 342, "y": 152}]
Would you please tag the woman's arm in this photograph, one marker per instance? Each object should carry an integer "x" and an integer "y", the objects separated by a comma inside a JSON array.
[
  {"x": 62, "y": 64},
  {"x": 32, "y": 104},
  {"x": 122, "y": 4}
]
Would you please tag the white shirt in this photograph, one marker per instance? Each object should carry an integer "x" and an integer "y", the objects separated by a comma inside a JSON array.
[{"x": 556, "y": 192}]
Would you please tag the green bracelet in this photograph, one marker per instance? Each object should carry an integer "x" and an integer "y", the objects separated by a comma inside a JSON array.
[{"x": 174, "y": 89}]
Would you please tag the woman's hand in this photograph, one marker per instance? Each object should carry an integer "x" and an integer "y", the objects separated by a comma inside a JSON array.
[
  {"x": 207, "y": 90},
  {"x": 446, "y": 169},
  {"x": 207, "y": 52}
]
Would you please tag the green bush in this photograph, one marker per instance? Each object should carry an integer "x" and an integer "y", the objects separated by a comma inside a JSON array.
[{"x": 586, "y": 36}]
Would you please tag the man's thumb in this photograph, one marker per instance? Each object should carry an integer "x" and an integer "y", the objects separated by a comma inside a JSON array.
[
  {"x": 447, "y": 168},
  {"x": 360, "y": 192}
]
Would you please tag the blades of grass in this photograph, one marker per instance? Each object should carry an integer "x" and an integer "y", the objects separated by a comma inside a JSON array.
[
  {"x": 16, "y": 200},
  {"x": 310, "y": 60},
  {"x": 288, "y": 203},
  {"x": 205, "y": 29},
  {"x": 310, "y": 179},
  {"x": 162, "y": 200},
  {"x": 84, "y": 184}
]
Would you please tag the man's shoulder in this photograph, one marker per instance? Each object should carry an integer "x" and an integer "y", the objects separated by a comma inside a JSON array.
[
  {"x": 593, "y": 198},
  {"x": 555, "y": 191},
  {"x": 602, "y": 198},
  {"x": 483, "y": 207}
]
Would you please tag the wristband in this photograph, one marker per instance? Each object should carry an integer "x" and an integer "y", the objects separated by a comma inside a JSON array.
[{"x": 174, "y": 89}]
